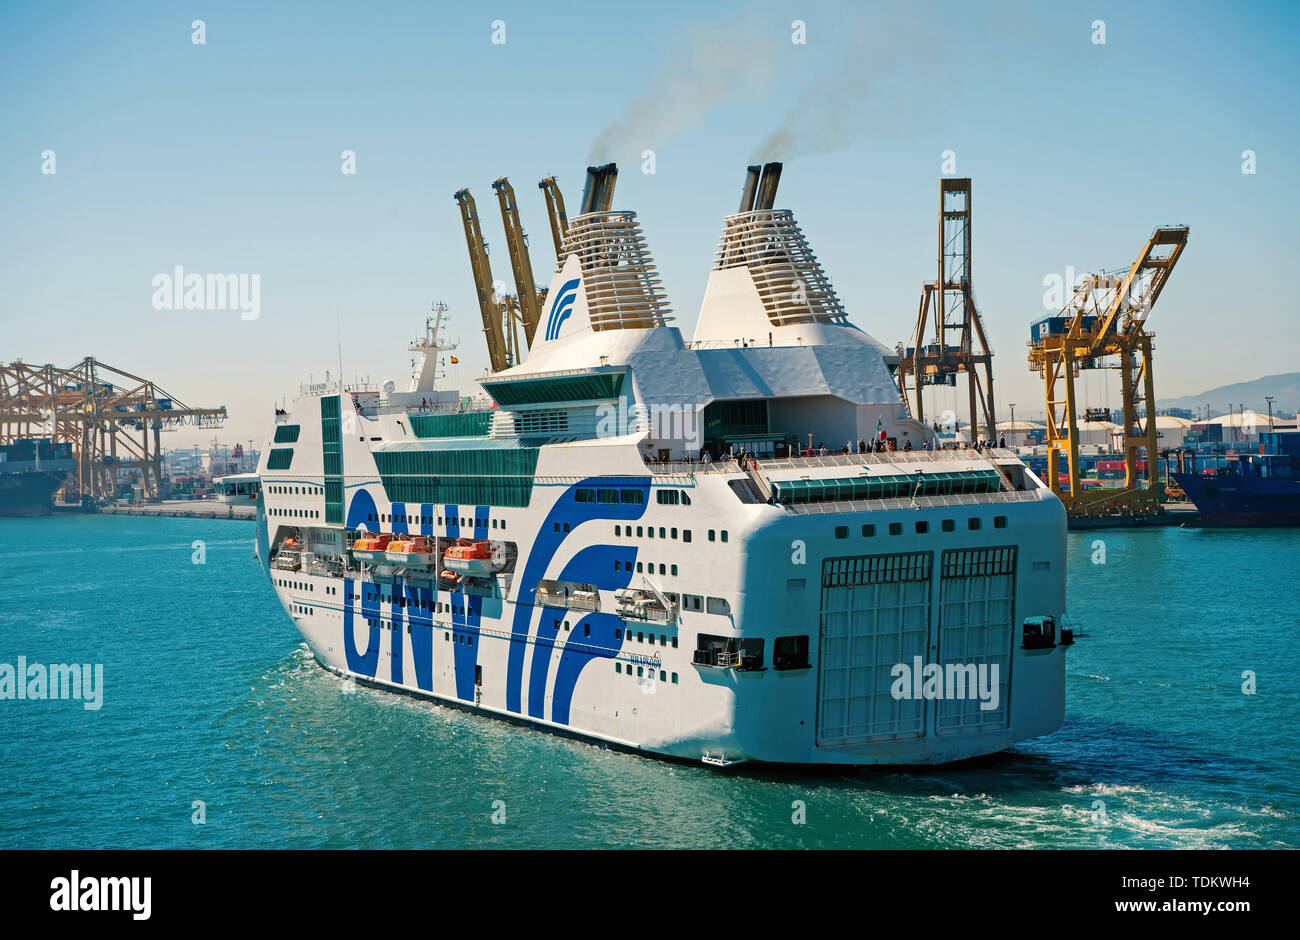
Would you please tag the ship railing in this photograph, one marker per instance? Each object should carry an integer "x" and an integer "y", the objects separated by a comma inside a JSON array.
[
  {"x": 918, "y": 502},
  {"x": 719, "y": 659},
  {"x": 569, "y": 602}
]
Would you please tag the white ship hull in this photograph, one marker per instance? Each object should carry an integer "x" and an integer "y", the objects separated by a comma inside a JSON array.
[{"x": 698, "y": 611}]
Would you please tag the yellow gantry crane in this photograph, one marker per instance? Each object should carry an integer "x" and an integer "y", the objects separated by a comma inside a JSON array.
[
  {"x": 952, "y": 300},
  {"x": 490, "y": 302},
  {"x": 555, "y": 212},
  {"x": 530, "y": 299},
  {"x": 504, "y": 313},
  {"x": 113, "y": 420},
  {"x": 1105, "y": 319}
]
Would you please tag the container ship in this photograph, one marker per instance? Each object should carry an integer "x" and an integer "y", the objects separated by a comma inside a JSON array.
[
  {"x": 1250, "y": 489},
  {"x": 32, "y": 470},
  {"x": 737, "y": 547}
]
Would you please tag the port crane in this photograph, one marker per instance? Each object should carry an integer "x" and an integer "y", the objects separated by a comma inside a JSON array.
[
  {"x": 530, "y": 299},
  {"x": 1104, "y": 319},
  {"x": 113, "y": 420},
  {"x": 950, "y": 302},
  {"x": 498, "y": 317}
]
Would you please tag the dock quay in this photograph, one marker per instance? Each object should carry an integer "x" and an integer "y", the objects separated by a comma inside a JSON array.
[{"x": 195, "y": 509}]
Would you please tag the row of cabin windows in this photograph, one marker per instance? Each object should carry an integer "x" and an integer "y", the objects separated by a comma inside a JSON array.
[
  {"x": 417, "y": 519},
  {"x": 296, "y": 513},
  {"x": 648, "y": 569},
  {"x": 296, "y": 490},
  {"x": 609, "y": 497},
  {"x": 896, "y": 528},
  {"x": 302, "y": 609},
  {"x": 648, "y": 532},
  {"x": 640, "y": 671},
  {"x": 673, "y": 498},
  {"x": 296, "y": 585}
]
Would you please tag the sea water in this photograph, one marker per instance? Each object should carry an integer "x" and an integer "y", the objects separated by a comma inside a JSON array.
[{"x": 218, "y": 730}]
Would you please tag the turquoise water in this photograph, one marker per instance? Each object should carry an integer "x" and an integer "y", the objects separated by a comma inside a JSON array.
[{"x": 210, "y": 696}]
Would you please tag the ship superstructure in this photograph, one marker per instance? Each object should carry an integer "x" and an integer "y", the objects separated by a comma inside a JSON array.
[{"x": 734, "y": 547}]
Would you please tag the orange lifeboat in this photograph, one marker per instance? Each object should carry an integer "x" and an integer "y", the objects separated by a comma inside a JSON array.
[
  {"x": 475, "y": 559},
  {"x": 371, "y": 548},
  {"x": 411, "y": 551}
]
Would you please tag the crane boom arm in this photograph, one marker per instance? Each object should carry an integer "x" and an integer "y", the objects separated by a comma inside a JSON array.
[
  {"x": 487, "y": 302},
  {"x": 525, "y": 287},
  {"x": 555, "y": 212}
]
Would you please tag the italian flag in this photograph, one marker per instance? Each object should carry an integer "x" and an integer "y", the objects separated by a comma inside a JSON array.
[{"x": 880, "y": 430}]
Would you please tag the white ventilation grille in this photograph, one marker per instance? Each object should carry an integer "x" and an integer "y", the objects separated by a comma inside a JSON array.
[
  {"x": 623, "y": 287},
  {"x": 789, "y": 278}
]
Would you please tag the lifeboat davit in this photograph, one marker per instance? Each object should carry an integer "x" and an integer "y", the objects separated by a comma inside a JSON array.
[
  {"x": 371, "y": 548},
  {"x": 475, "y": 559},
  {"x": 411, "y": 551}
]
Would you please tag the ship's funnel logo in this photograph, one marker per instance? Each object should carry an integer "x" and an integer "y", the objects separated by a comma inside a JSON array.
[{"x": 562, "y": 307}]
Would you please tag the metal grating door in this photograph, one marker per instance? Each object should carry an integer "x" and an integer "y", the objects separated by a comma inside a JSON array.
[
  {"x": 976, "y": 615},
  {"x": 875, "y": 614}
]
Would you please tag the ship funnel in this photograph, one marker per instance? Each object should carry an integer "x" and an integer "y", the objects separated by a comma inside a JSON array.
[
  {"x": 750, "y": 191},
  {"x": 767, "y": 188},
  {"x": 599, "y": 193}
]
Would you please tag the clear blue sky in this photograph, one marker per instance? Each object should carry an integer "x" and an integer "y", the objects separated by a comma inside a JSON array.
[{"x": 225, "y": 157}]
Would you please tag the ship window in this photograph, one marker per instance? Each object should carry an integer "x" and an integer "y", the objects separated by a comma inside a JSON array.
[
  {"x": 618, "y": 565},
  {"x": 638, "y": 531},
  {"x": 586, "y": 629},
  {"x": 650, "y": 532},
  {"x": 607, "y": 496},
  {"x": 663, "y": 676},
  {"x": 584, "y": 496},
  {"x": 841, "y": 531},
  {"x": 922, "y": 528},
  {"x": 686, "y": 535},
  {"x": 712, "y": 537},
  {"x": 663, "y": 569},
  {"x": 719, "y": 605},
  {"x": 638, "y": 567},
  {"x": 674, "y": 533},
  {"x": 948, "y": 525},
  {"x": 618, "y": 530},
  {"x": 634, "y": 497},
  {"x": 999, "y": 522},
  {"x": 674, "y": 647},
  {"x": 650, "y": 638},
  {"x": 640, "y": 637},
  {"x": 724, "y": 535},
  {"x": 668, "y": 497},
  {"x": 663, "y": 533},
  {"x": 566, "y": 527},
  {"x": 503, "y": 523},
  {"x": 692, "y": 602},
  {"x": 790, "y": 652},
  {"x": 674, "y": 678},
  {"x": 896, "y": 528},
  {"x": 674, "y": 570},
  {"x": 686, "y": 499},
  {"x": 618, "y": 634},
  {"x": 618, "y": 667},
  {"x": 557, "y": 527},
  {"x": 640, "y": 670},
  {"x": 973, "y": 523}
]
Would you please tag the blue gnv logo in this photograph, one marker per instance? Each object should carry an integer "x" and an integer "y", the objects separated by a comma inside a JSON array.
[{"x": 561, "y": 307}]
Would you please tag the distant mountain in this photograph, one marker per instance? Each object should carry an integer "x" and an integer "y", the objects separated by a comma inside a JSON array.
[{"x": 1284, "y": 388}]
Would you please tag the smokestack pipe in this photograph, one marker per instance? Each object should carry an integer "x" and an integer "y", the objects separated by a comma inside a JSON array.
[
  {"x": 748, "y": 194},
  {"x": 589, "y": 191},
  {"x": 598, "y": 196},
  {"x": 767, "y": 188}
]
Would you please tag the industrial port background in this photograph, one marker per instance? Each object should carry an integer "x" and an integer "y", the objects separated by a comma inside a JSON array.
[{"x": 130, "y": 148}]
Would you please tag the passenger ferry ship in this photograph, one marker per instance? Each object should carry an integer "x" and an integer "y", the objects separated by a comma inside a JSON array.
[{"x": 583, "y": 558}]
